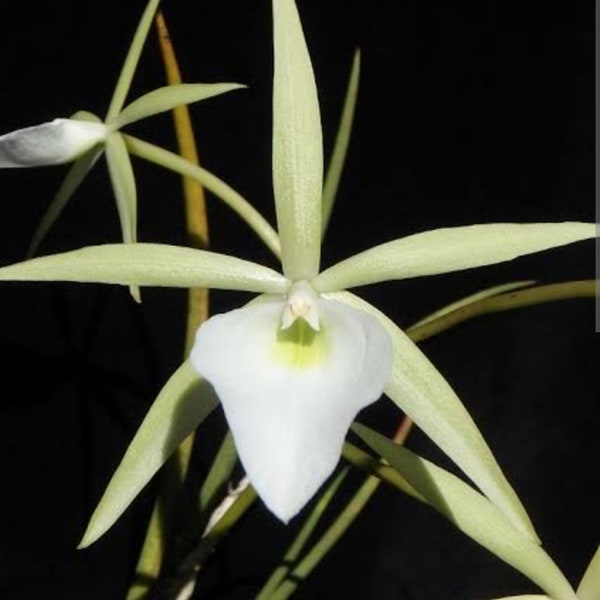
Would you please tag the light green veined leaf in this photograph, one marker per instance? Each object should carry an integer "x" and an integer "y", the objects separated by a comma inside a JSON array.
[
  {"x": 131, "y": 61},
  {"x": 449, "y": 249},
  {"x": 472, "y": 513},
  {"x": 149, "y": 265},
  {"x": 183, "y": 403},
  {"x": 218, "y": 187},
  {"x": 122, "y": 178},
  {"x": 589, "y": 587},
  {"x": 338, "y": 157},
  {"x": 420, "y": 390},
  {"x": 481, "y": 295},
  {"x": 297, "y": 146},
  {"x": 168, "y": 97},
  {"x": 76, "y": 174}
]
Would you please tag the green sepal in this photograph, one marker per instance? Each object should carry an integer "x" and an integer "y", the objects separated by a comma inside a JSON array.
[{"x": 183, "y": 403}]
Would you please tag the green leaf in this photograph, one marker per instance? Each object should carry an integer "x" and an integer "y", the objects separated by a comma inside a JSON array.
[
  {"x": 219, "y": 188},
  {"x": 183, "y": 403},
  {"x": 447, "y": 250},
  {"x": 297, "y": 146},
  {"x": 168, "y": 97},
  {"x": 123, "y": 183},
  {"x": 131, "y": 61},
  {"x": 76, "y": 174},
  {"x": 472, "y": 513},
  {"x": 219, "y": 474},
  {"x": 420, "y": 390},
  {"x": 477, "y": 296},
  {"x": 149, "y": 265},
  {"x": 589, "y": 588},
  {"x": 338, "y": 157}
]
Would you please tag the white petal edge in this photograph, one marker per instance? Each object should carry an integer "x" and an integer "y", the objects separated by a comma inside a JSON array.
[
  {"x": 289, "y": 422},
  {"x": 51, "y": 143}
]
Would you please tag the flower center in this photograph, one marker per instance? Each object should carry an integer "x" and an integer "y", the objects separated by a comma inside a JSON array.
[{"x": 302, "y": 302}]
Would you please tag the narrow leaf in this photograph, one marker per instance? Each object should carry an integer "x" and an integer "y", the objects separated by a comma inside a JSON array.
[
  {"x": 589, "y": 588},
  {"x": 77, "y": 173},
  {"x": 447, "y": 250},
  {"x": 473, "y": 514},
  {"x": 477, "y": 296},
  {"x": 183, "y": 403},
  {"x": 149, "y": 265},
  {"x": 297, "y": 146},
  {"x": 168, "y": 97},
  {"x": 131, "y": 61},
  {"x": 338, "y": 157},
  {"x": 420, "y": 390}
]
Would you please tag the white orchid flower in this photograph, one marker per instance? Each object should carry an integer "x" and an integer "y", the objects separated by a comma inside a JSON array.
[
  {"x": 293, "y": 368},
  {"x": 84, "y": 137}
]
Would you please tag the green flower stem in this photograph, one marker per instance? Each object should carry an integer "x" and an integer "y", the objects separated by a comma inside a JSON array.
[
  {"x": 290, "y": 579},
  {"x": 218, "y": 187},
  {"x": 159, "y": 531},
  {"x": 171, "y": 587},
  {"x": 293, "y": 552}
]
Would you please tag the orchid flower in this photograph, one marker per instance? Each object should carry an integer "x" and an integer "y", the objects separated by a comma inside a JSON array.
[
  {"x": 294, "y": 367},
  {"x": 84, "y": 137}
]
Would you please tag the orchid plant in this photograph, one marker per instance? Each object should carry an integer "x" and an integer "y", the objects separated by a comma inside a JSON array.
[{"x": 292, "y": 368}]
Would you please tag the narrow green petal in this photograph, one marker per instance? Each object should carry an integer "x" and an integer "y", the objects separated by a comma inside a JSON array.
[
  {"x": 123, "y": 183},
  {"x": 131, "y": 61},
  {"x": 297, "y": 146},
  {"x": 419, "y": 389},
  {"x": 477, "y": 296},
  {"x": 473, "y": 514},
  {"x": 84, "y": 115},
  {"x": 451, "y": 249},
  {"x": 122, "y": 178},
  {"x": 589, "y": 588},
  {"x": 168, "y": 97},
  {"x": 183, "y": 403},
  {"x": 149, "y": 265},
  {"x": 338, "y": 157},
  {"x": 76, "y": 174},
  {"x": 218, "y": 187}
]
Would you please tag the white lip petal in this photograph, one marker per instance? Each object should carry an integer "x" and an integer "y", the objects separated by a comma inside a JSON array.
[
  {"x": 50, "y": 143},
  {"x": 290, "y": 395}
]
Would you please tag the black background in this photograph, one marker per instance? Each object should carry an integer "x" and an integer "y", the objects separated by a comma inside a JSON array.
[{"x": 468, "y": 113}]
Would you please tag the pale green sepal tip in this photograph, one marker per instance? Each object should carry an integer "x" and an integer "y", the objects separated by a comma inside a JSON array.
[
  {"x": 297, "y": 147},
  {"x": 168, "y": 97},
  {"x": 149, "y": 265},
  {"x": 449, "y": 249},
  {"x": 472, "y": 513},
  {"x": 131, "y": 60},
  {"x": 589, "y": 587},
  {"x": 526, "y": 597},
  {"x": 420, "y": 391},
  {"x": 183, "y": 403}
]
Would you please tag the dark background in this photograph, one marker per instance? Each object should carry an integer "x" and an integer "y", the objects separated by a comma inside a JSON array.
[{"x": 468, "y": 113}]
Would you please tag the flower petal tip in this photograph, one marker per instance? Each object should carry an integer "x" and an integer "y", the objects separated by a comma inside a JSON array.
[{"x": 51, "y": 143}]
